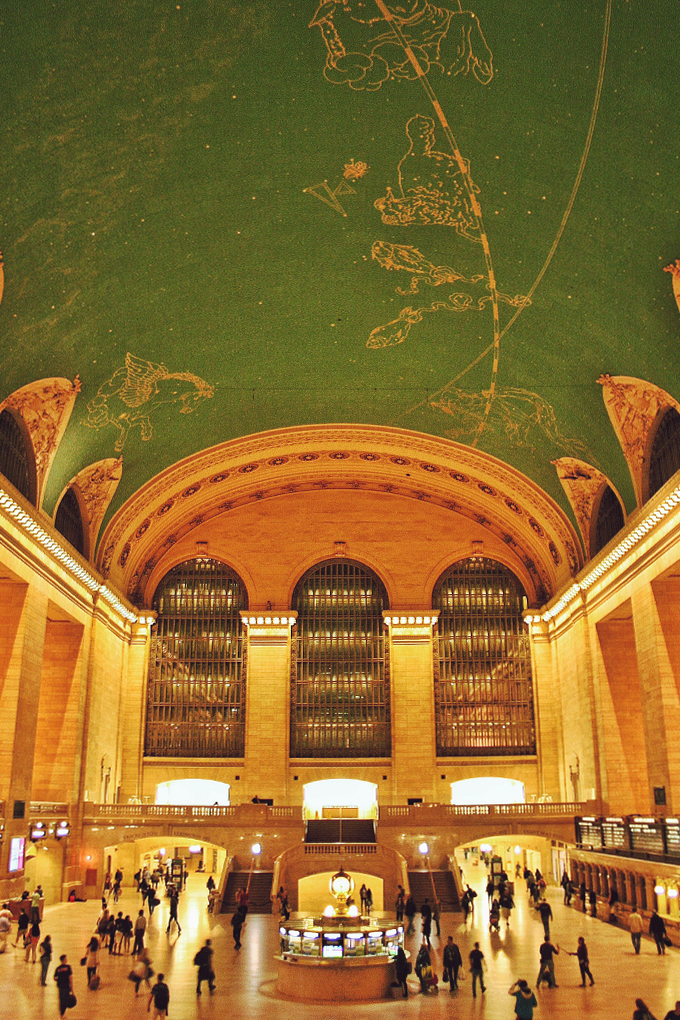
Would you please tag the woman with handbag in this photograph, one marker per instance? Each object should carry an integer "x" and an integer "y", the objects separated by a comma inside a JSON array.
[{"x": 91, "y": 958}]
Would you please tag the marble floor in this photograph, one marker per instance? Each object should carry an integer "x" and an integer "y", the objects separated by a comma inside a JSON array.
[{"x": 246, "y": 979}]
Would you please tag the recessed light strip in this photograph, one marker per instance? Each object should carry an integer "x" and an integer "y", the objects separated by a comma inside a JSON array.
[
  {"x": 29, "y": 525},
  {"x": 619, "y": 550}
]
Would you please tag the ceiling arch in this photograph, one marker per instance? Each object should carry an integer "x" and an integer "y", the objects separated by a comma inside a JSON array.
[{"x": 183, "y": 500}]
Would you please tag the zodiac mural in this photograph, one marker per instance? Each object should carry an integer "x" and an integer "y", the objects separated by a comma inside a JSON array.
[
  {"x": 362, "y": 51},
  {"x": 142, "y": 384}
]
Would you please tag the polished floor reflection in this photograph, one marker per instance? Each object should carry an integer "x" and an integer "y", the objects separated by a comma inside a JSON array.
[{"x": 246, "y": 979}]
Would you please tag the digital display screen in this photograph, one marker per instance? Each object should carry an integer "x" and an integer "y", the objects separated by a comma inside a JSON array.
[
  {"x": 332, "y": 951},
  {"x": 17, "y": 850}
]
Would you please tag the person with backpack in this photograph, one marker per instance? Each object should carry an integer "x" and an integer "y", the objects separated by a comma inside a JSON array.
[
  {"x": 160, "y": 996},
  {"x": 453, "y": 961},
  {"x": 525, "y": 1000},
  {"x": 203, "y": 960}
]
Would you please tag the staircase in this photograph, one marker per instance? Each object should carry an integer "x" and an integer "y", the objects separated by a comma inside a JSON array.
[
  {"x": 260, "y": 891},
  {"x": 445, "y": 886},
  {"x": 340, "y": 830}
]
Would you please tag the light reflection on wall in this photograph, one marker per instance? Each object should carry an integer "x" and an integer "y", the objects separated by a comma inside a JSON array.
[
  {"x": 487, "y": 790},
  {"x": 193, "y": 791}
]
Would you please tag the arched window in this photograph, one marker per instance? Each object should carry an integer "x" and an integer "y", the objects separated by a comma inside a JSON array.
[
  {"x": 608, "y": 522},
  {"x": 16, "y": 457},
  {"x": 483, "y": 691},
  {"x": 69, "y": 522},
  {"x": 196, "y": 693},
  {"x": 664, "y": 459},
  {"x": 340, "y": 697}
]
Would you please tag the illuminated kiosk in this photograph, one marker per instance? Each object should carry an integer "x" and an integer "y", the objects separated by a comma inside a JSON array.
[{"x": 340, "y": 956}]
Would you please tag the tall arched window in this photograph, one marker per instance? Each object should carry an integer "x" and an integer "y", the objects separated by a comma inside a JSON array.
[
  {"x": 16, "y": 457},
  {"x": 608, "y": 522},
  {"x": 664, "y": 459},
  {"x": 340, "y": 697},
  {"x": 483, "y": 691},
  {"x": 196, "y": 693},
  {"x": 69, "y": 522}
]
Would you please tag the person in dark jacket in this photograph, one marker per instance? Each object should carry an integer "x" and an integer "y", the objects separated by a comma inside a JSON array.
[
  {"x": 426, "y": 923},
  {"x": 402, "y": 966},
  {"x": 423, "y": 959},
  {"x": 410, "y": 912},
  {"x": 657, "y": 929},
  {"x": 237, "y": 922},
  {"x": 203, "y": 960},
  {"x": 453, "y": 961}
]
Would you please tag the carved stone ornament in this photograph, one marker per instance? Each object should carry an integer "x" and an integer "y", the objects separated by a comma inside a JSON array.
[
  {"x": 582, "y": 484},
  {"x": 97, "y": 485},
  {"x": 674, "y": 268},
  {"x": 633, "y": 406},
  {"x": 45, "y": 407}
]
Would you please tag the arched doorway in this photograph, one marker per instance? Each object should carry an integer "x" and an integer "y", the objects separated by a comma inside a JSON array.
[
  {"x": 488, "y": 790},
  {"x": 193, "y": 791},
  {"x": 340, "y": 798}
]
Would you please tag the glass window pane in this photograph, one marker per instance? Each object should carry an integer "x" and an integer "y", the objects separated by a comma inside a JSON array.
[
  {"x": 483, "y": 685},
  {"x": 340, "y": 692},
  {"x": 196, "y": 693}
]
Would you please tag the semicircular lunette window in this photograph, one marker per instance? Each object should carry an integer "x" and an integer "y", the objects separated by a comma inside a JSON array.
[
  {"x": 196, "y": 691},
  {"x": 340, "y": 690},
  {"x": 69, "y": 522},
  {"x": 664, "y": 459},
  {"x": 15, "y": 457},
  {"x": 483, "y": 687},
  {"x": 609, "y": 521}
]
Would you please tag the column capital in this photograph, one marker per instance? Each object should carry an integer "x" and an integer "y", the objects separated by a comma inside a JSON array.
[
  {"x": 410, "y": 622},
  {"x": 268, "y": 627}
]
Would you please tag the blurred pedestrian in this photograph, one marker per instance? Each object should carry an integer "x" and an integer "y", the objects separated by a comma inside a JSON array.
[
  {"x": 426, "y": 921},
  {"x": 237, "y": 922},
  {"x": 453, "y": 961},
  {"x": 139, "y": 929},
  {"x": 525, "y": 1000},
  {"x": 63, "y": 975},
  {"x": 657, "y": 929},
  {"x": 402, "y": 966},
  {"x": 410, "y": 912},
  {"x": 546, "y": 970},
  {"x": 45, "y": 958},
  {"x": 545, "y": 910},
  {"x": 160, "y": 996},
  {"x": 92, "y": 958},
  {"x": 203, "y": 960},
  {"x": 477, "y": 969},
  {"x": 635, "y": 924}
]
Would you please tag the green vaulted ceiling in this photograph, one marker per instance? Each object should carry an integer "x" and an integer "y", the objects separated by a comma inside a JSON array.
[{"x": 270, "y": 214}]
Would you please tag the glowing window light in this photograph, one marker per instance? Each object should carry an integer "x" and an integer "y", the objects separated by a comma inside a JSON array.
[
  {"x": 660, "y": 890},
  {"x": 256, "y": 849},
  {"x": 424, "y": 849},
  {"x": 673, "y": 893}
]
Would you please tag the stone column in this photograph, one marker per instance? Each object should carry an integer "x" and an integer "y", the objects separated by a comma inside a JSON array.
[
  {"x": 23, "y": 609},
  {"x": 659, "y": 694},
  {"x": 414, "y": 746},
  {"x": 133, "y": 710},
  {"x": 268, "y": 678},
  {"x": 547, "y": 712}
]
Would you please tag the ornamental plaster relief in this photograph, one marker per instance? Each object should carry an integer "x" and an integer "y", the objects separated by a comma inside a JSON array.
[
  {"x": 45, "y": 407},
  {"x": 96, "y": 485},
  {"x": 583, "y": 484},
  {"x": 272, "y": 464},
  {"x": 633, "y": 406}
]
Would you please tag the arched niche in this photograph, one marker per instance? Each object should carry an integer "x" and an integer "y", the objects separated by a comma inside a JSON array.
[
  {"x": 327, "y": 798},
  {"x": 488, "y": 790},
  {"x": 202, "y": 792}
]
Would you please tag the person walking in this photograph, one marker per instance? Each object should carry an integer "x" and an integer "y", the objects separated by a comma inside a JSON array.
[
  {"x": 63, "y": 975},
  {"x": 490, "y": 890},
  {"x": 141, "y": 970},
  {"x": 111, "y": 933},
  {"x": 566, "y": 886},
  {"x": 92, "y": 958},
  {"x": 362, "y": 899},
  {"x": 400, "y": 903},
  {"x": 545, "y": 910},
  {"x": 657, "y": 929},
  {"x": 237, "y": 922},
  {"x": 403, "y": 971},
  {"x": 635, "y": 925},
  {"x": 525, "y": 1000},
  {"x": 243, "y": 900},
  {"x": 35, "y": 906},
  {"x": 33, "y": 936},
  {"x": 174, "y": 903},
  {"x": 160, "y": 996},
  {"x": 436, "y": 916},
  {"x": 641, "y": 1011},
  {"x": 592, "y": 900},
  {"x": 423, "y": 967},
  {"x": 477, "y": 969},
  {"x": 45, "y": 959},
  {"x": 546, "y": 970},
  {"x": 506, "y": 904},
  {"x": 583, "y": 895},
  {"x": 426, "y": 921},
  {"x": 582, "y": 956},
  {"x": 673, "y": 1014},
  {"x": 453, "y": 961},
  {"x": 410, "y": 911},
  {"x": 22, "y": 927},
  {"x": 465, "y": 905},
  {"x": 139, "y": 929},
  {"x": 369, "y": 900},
  {"x": 203, "y": 960}
]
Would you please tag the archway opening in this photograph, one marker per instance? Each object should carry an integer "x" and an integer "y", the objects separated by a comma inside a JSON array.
[
  {"x": 314, "y": 894},
  {"x": 488, "y": 790},
  {"x": 340, "y": 798},
  {"x": 193, "y": 791}
]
